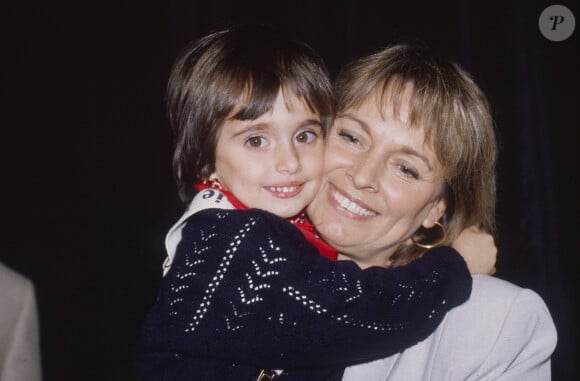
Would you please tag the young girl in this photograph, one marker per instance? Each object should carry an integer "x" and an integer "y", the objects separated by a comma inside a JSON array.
[{"x": 244, "y": 289}]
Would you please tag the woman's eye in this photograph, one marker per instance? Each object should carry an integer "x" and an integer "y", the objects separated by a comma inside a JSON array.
[
  {"x": 348, "y": 137},
  {"x": 305, "y": 137},
  {"x": 256, "y": 142},
  {"x": 408, "y": 171}
]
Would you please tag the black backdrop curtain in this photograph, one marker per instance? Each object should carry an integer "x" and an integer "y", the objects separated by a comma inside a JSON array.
[{"x": 89, "y": 195}]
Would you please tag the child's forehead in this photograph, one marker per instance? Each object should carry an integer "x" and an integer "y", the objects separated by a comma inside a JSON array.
[{"x": 251, "y": 105}]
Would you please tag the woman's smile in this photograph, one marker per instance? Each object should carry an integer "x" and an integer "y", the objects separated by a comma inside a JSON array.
[{"x": 349, "y": 206}]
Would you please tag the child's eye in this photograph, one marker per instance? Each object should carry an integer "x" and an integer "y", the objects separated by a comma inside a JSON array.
[
  {"x": 305, "y": 137},
  {"x": 256, "y": 142}
]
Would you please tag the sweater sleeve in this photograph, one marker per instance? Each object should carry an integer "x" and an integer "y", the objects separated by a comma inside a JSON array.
[{"x": 246, "y": 287}]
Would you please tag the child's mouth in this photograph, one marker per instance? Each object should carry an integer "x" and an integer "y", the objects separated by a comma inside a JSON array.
[{"x": 285, "y": 191}]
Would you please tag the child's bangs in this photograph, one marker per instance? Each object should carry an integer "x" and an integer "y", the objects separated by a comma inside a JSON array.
[
  {"x": 317, "y": 98},
  {"x": 257, "y": 96},
  {"x": 260, "y": 92}
]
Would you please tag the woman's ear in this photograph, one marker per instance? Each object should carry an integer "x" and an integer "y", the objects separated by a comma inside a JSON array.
[
  {"x": 437, "y": 211},
  {"x": 213, "y": 176}
]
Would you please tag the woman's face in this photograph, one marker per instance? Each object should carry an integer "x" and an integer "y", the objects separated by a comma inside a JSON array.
[{"x": 382, "y": 182}]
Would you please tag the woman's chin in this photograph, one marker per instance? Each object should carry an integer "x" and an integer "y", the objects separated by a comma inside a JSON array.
[{"x": 333, "y": 232}]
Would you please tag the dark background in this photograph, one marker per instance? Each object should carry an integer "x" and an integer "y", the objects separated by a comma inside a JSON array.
[{"x": 87, "y": 191}]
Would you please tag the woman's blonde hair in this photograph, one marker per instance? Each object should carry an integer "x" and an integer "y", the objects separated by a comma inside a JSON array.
[{"x": 455, "y": 116}]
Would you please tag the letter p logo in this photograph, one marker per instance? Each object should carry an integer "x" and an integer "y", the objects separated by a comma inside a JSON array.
[
  {"x": 557, "y": 23},
  {"x": 556, "y": 20}
]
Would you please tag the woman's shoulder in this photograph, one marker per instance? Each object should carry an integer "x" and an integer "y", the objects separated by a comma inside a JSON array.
[
  {"x": 503, "y": 298},
  {"x": 497, "y": 308},
  {"x": 503, "y": 329},
  {"x": 502, "y": 332}
]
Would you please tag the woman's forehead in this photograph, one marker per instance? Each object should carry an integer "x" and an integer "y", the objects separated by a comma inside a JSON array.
[{"x": 390, "y": 103}]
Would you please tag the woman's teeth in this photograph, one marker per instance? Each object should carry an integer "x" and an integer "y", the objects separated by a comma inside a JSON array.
[{"x": 351, "y": 206}]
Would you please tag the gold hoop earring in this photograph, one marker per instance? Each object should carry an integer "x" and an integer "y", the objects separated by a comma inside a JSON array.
[{"x": 432, "y": 245}]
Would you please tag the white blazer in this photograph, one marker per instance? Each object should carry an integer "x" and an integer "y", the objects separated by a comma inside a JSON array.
[
  {"x": 503, "y": 332},
  {"x": 19, "y": 342}
]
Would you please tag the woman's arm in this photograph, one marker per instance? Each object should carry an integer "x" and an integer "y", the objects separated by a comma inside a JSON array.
[{"x": 245, "y": 286}]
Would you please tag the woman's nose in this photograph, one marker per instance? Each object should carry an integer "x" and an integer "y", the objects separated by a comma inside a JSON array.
[
  {"x": 287, "y": 160},
  {"x": 363, "y": 173}
]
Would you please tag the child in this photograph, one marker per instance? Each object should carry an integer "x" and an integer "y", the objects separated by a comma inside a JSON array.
[{"x": 244, "y": 289}]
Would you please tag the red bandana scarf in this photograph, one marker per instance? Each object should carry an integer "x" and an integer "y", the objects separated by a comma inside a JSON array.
[{"x": 300, "y": 221}]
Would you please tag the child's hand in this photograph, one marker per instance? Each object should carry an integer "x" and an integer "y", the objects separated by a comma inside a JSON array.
[{"x": 478, "y": 249}]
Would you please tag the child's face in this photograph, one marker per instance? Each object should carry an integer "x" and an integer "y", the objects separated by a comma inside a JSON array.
[{"x": 273, "y": 162}]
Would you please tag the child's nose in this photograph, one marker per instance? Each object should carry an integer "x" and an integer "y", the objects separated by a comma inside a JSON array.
[{"x": 287, "y": 160}]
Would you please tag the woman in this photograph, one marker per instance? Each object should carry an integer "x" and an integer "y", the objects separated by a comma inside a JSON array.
[{"x": 413, "y": 152}]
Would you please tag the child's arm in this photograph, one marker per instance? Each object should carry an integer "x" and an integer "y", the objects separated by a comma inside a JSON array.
[
  {"x": 246, "y": 287},
  {"x": 478, "y": 249}
]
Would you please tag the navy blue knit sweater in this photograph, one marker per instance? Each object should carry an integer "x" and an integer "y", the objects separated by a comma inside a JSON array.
[{"x": 246, "y": 291}]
